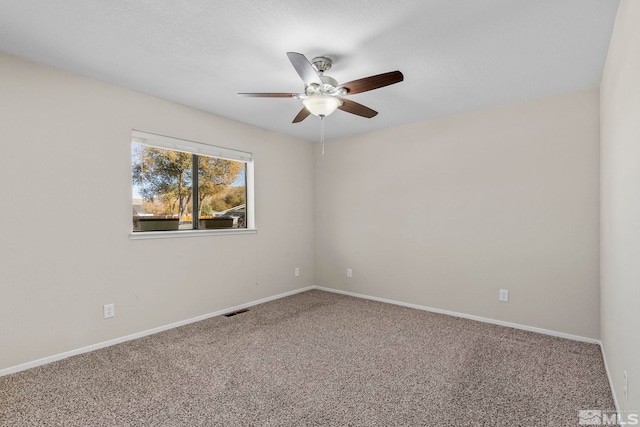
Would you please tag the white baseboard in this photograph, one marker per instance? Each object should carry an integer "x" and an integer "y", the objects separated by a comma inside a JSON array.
[
  {"x": 606, "y": 368},
  {"x": 466, "y": 316},
  {"x": 60, "y": 356}
]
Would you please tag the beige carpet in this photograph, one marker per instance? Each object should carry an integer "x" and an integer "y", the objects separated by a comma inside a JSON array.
[{"x": 319, "y": 359}]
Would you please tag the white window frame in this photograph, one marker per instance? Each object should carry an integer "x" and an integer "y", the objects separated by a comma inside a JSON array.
[{"x": 193, "y": 147}]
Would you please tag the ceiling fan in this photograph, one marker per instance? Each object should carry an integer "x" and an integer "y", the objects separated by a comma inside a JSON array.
[{"x": 323, "y": 94}]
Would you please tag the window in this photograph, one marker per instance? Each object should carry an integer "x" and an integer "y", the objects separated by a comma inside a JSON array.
[{"x": 181, "y": 185}]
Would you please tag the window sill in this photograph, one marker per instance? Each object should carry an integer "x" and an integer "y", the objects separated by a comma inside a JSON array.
[{"x": 145, "y": 235}]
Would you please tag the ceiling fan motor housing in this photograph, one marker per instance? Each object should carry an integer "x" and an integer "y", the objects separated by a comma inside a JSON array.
[
  {"x": 329, "y": 87},
  {"x": 329, "y": 84}
]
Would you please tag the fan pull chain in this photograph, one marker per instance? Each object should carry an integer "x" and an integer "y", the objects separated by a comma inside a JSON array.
[{"x": 322, "y": 133}]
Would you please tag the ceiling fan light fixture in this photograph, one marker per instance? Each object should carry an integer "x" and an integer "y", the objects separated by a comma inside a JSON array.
[
  {"x": 321, "y": 105},
  {"x": 323, "y": 94}
]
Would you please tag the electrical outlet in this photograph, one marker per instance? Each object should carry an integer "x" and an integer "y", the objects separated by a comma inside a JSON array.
[
  {"x": 349, "y": 272},
  {"x": 504, "y": 295},
  {"x": 109, "y": 310},
  {"x": 297, "y": 272},
  {"x": 626, "y": 385}
]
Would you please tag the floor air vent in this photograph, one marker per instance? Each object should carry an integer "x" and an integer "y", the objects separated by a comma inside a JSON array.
[{"x": 233, "y": 313}]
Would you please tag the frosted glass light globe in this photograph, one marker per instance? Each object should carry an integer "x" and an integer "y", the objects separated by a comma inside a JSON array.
[{"x": 321, "y": 105}]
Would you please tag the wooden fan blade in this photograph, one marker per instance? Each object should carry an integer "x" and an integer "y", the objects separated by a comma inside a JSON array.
[
  {"x": 358, "y": 109},
  {"x": 303, "y": 67},
  {"x": 373, "y": 82},
  {"x": 303, "y": 114},
  {"x": 269, "y": 95}
]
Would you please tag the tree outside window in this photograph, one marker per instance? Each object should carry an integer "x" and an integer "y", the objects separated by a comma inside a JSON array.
[{"x": 165, "y": 193}]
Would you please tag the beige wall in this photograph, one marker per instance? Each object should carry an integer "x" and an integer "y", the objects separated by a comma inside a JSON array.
[
  {"x": 620, "y": 232},
  {"x": 444, "y": 213},
  {"x": 65, "y": 146}
]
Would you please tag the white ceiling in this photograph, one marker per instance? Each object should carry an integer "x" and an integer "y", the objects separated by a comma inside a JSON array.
[{"x": 456, "y": 55}]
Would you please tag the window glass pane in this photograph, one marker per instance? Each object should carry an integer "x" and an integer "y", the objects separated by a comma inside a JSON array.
[
  {"x": 222, "y": 193},
  {"x": 162, "y": 189}
]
